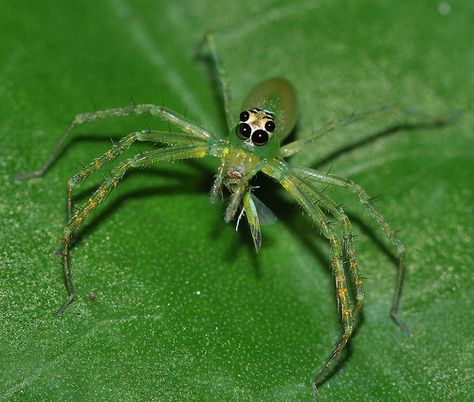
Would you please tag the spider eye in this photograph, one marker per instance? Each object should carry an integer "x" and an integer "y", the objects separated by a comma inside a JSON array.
[
  {"x": 260, "y": 137},
  {"x": 243, "y": 131},
  {"x": 244, "y": 116},
  {"x": 270, "y": 126}
]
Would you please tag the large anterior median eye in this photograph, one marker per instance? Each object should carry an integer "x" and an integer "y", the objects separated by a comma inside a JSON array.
[
  {"x": 243, "y": 131},
  {"x": 260, "y": 137}
]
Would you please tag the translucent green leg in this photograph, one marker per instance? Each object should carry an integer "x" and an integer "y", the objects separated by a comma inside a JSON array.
[
  {"x": 427, "y": 120},
  {"x": 222, "y": 76},
  {"x": 348, "y": 235},
  {"x": 306, "y": 198},
  {"x": 379, "y": 219},
  {"x": 158, "y": 155},
  {"x": 119, "y": 148},
  {"x": 159, "y": 111}
]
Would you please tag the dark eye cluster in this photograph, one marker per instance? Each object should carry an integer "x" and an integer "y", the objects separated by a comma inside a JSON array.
[{"x": 258, "y": 137}]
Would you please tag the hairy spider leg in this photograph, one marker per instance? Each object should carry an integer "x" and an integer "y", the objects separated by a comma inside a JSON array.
[
  {"x": 222, "y": 77},
  {"x": 165, "y": 137},
  {"x": 158, "y": 111},
  {"x": 379, "y": 219},
  {"x": 348, "y": 244},
  {"x": 348, "y": 239},
  {"x": 141, "y": 160},
  {"x": 428, "y": 121},
  {"x": 292, "y": 183}
]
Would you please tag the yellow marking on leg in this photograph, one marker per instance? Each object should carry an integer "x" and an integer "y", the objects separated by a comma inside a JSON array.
[
  {"x": 342, "y": 293},
  {"x": 286, "y": 184},
  {"x": 346, "y": 313},
  {"x": 101, "y": 192},
  {"x": 340, "y": 281}
]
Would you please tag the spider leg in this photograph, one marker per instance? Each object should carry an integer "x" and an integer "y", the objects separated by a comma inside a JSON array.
[
  {"x": 222, "y": 77},
  {"x": 280, "y": 171},
  {"x": 430, "y": 121},
  {"x": 76, "y": 220},
  {"x": 159, "y": 111},
  {"x": 380, "y": 220},
  {"x": 348, "y": 241},
  {"x": 119, "y": 148}
]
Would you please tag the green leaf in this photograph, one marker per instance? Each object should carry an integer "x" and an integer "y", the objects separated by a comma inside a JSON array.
[{"x": 172, "y": 303}]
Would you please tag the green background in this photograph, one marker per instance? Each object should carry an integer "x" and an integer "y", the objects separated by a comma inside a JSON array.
[{"x": 172, "y": 303}]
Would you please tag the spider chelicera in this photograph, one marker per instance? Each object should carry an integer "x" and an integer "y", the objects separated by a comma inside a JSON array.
[{"x": 253, "y": 145}]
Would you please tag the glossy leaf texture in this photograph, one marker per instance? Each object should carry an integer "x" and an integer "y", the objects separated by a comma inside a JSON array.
[{"x": 172, "y": 303}]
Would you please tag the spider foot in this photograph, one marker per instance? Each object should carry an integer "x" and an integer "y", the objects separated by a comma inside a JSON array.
[
  {"x": 404, "y": 327},
  {"x": 65, "y": 305},
  {"x": 315, "y": 392},
  {"x": 28, "y": 175}
]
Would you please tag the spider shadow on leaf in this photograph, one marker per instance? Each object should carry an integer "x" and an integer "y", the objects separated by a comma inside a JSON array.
[
  {"x": 378, "y": 135},
  {"x": 187, "y": 185}
]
